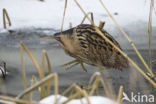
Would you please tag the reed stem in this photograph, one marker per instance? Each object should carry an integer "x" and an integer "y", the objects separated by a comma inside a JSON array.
[
  {"x": 149, "y": 34},
  {"x": 5, "y": 15},
  {"x": 130, "y": 41}
]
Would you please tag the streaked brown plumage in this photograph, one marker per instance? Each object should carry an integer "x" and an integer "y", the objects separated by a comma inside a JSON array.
[{"x": 86, "y": 45}]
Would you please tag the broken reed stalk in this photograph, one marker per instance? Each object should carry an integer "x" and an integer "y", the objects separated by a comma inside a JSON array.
[
  {"x": 56, "y": 90},
  {"x": 93, "y": 77},
  {"x": 95, "y": 85},
  {"x": 7, "y": 98},
  {"x": 149, "y": 34},
  {"x": 33, "y": 81},
  {"x": 4, "y": 21},
  {"x": 65, "y": 7},
  {"x": 92, "y": 17},
  {"x": 120, "y": 95},
  {"x": 129, "y": 40},
  {"x": 101, "y": 24},
  {"x": 98, "y": 78},
  {"x": 105, "y": 88},
  {"x": 84, "y": 12},
  {"x": 49, "y": 72},
  {"x": 5, "y": 15},
  {"x": 71, "y": 97},
  {"x": 43, "y": 63},
  {"x": 23, "y": 71},
  {"x": 48, "y": 62},
  {"x": 43, "y": 93},
  {"x": 78, "y": 90},
  {"x": 33, "y": 59},
  {"x": 40, "y": 83},
  {"x": 84, "y": 18},
  {"x": 41, "y": 70},
  {"x": 37, "y": 66}
]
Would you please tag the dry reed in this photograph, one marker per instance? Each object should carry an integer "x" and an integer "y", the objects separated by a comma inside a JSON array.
[
  {"x": 23, "y": 71},
  {"x": 125, "y": 55},
  {"x": 149, "y": 33},
  {"x": 41, "y": 71},
  {"x": 129, "y": 40},
  {"x": 120, "y": 95},
  {"x": 79, "y": 92},
  {"x": 65, "y": 7},
  {"x": 7, "y": 98},
  {"x": 5, "y": 15}
]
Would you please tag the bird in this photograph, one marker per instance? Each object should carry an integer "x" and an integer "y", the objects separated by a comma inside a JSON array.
[
  {"x": 3, "y": 68},
  {"x": 86, "y": 45}
]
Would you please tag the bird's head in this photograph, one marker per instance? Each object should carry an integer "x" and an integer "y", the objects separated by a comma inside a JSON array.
[{"x": 63, "y": 37}]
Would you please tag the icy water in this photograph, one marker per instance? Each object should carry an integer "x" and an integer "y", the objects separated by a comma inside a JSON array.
[{"x": 10, "y": 53}]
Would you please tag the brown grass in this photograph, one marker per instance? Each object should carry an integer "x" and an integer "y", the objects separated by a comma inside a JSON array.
[{"x": 6, "y": 16}]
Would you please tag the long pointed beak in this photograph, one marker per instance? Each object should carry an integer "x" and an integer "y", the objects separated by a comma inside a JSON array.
[
  {"x": 48, "y": 37},
  {"x": 57, "y": 39}
]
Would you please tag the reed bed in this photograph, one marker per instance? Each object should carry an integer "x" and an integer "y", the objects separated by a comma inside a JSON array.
[
  {"x": 75, "y": 91},
  {"x": 130, "y": 41}
]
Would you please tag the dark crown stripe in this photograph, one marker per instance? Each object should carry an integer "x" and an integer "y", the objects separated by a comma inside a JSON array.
[{"x": 70, "y": 31}]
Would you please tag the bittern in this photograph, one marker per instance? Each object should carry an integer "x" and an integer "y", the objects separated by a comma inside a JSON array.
[{"x": 86, "y": 45}]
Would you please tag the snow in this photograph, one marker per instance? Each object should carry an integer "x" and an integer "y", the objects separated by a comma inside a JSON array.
[
  {"x": 48, "y": 14},
  {"x": 93, "y": 100},
  {"x": 6, "y": 102}
]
